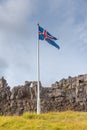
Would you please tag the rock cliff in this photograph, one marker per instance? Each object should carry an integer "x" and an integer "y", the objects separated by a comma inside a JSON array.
[{"x": 67, "y": 94}]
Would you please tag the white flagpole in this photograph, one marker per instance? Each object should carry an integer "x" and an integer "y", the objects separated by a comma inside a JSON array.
[{"x": 38, "y": 76}]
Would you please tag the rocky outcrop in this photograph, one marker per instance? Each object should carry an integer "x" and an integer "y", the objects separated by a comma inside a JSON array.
[{"x": 67, "y": 94}]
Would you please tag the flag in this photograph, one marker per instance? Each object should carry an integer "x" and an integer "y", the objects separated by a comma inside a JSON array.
[{"x": 45, "y": 35}]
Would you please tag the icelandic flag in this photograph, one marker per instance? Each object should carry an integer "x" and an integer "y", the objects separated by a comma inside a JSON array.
[{"x": 44, "y": 35}]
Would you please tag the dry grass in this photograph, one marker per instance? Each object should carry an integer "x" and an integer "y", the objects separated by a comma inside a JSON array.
[{"x": 50, "y": 121}]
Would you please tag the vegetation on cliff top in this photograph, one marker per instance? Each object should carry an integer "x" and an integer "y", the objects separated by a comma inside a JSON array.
[{"x": 50, "y": 121}]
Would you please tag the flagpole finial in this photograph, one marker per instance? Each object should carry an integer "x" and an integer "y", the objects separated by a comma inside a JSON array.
[{"x": 38, "y": 23}]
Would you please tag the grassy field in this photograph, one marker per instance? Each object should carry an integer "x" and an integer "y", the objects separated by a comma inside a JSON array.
[{"x": 50, "y": 121}]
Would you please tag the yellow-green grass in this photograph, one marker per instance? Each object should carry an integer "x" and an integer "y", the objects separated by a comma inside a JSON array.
[{"x": 49, "y": 121}]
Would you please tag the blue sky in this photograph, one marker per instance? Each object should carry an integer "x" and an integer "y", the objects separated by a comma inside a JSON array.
[{"x": 66, "y": 20}]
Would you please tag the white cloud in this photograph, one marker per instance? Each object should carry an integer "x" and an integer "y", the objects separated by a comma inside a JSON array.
[
  {"x": 14, "y": 14},
  {"x": 14, "y": 44},
  {"x": 3, "y": 66}
]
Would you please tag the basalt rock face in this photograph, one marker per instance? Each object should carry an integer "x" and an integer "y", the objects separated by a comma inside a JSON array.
[{"x": 67, "y": 94}]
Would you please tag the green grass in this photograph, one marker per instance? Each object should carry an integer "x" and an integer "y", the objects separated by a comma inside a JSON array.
[{"x": 50, "y": 121}]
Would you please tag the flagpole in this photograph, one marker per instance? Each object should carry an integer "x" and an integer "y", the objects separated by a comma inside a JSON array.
[{"x": 38, "y": 75}]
